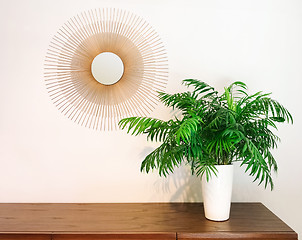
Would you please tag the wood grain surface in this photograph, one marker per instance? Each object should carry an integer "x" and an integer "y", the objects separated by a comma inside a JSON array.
[
  {"x": 25, "y": 237},
  {"x": 117, "y": 236},
  {"x": 65, "y": 221},
  {"x": 237, "y": 235}
]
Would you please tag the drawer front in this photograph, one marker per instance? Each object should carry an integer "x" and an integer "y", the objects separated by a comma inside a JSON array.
[
  {"x": 116, "y": 236},
  {"x": 238, "y": 235},
  {"x": 25, "y": 237}
]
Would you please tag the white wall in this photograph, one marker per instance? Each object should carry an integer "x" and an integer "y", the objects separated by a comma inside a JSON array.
[{"x": 45, "y": 157}]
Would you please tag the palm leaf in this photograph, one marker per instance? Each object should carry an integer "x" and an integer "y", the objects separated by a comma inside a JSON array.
[{"x": 214, "y": 129}]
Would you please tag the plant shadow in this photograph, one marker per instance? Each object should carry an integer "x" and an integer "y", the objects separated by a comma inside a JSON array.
[{"x": 179, "y": 186}]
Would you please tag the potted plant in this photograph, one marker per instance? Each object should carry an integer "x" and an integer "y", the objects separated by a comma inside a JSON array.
[{"x": 214, "y": 131}]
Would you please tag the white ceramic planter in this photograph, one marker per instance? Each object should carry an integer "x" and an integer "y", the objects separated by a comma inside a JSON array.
[{"x": 217, "y": 193}]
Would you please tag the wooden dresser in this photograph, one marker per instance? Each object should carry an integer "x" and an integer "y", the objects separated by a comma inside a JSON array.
[{"x": 136, "y": 221}]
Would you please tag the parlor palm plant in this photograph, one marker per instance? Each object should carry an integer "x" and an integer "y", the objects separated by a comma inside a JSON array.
[{"x": 214, "y": 130}]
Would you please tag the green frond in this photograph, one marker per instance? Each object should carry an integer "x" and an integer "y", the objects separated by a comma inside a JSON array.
[
  {"x": 214, "y": 129},
  {"x": 182, "y": 101},
  {"x": 164, "y": 158},
  {"x": 237, "y": 84},
  {"x": 205, "y": 167},
  {"x": 200, "y": 87},
  {"x": 154, "y": 128},
  {"x": 187, "y": 128},
  {"x": 257, "y": 165}
]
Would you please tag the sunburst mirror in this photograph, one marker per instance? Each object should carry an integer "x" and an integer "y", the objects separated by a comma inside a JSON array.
[{"x": 103, "y": 65}]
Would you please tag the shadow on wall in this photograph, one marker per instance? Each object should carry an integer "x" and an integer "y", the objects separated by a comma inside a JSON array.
[
  {"x": 180, "y": 185},
  {"x": 188, "y": 187}
]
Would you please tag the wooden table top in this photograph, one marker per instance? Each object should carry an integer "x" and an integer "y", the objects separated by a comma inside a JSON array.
[{"x": 132, "y": 217}]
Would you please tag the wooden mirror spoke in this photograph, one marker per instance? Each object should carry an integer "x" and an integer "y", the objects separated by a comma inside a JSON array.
[{"x": 69, "y": 80}]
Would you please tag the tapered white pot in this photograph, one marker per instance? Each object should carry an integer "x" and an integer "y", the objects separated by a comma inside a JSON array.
[{"x": 217, "y": 193}]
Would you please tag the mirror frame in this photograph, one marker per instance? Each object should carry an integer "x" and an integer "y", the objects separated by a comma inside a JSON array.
[{"x": 71, "y": 84}]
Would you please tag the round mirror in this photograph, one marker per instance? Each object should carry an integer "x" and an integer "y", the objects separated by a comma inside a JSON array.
[{"x": 107, "y": 68}]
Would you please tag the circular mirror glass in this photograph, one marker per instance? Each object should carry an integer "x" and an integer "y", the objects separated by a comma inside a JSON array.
[{"x": 107, "y": 68}]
